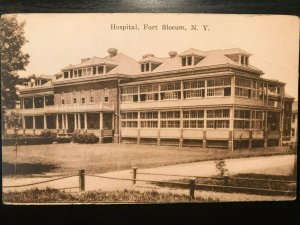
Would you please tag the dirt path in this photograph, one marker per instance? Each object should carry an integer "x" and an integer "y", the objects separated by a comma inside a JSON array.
[{"x": 277, "y": 165}]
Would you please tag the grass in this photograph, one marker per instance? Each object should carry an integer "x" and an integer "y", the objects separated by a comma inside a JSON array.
[
  {"x": 127, "y": 196},
  {"x": 100, "y": 158},
  {"x": 243, "y": 180}
]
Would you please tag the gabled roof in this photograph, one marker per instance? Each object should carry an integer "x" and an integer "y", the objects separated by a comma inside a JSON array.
[
  {"x": 193, "y": 51},
  {"x": 92, "y": 61},
  {"x": 122, "y": 64},
  {"x": 212, "y": 58},
  {"x": 233, "y": 51},
  {"x": 152, "y": 59}
]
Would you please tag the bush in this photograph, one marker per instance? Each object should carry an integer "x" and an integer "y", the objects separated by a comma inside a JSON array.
[
  {"x": 48, "y": 133},
  {"x": 27, "y": 141},
  {"x": 84, "y": 138},
  {"x": 63, "y": 139}
]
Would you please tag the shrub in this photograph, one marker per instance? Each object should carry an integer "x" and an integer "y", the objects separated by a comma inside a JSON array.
[
  {"x": 63, "y": 139},
  {"x": 221, "y": 168},
  {"x": 27, "y": 141},
  {"x": 48, "y": 133},
  {"x": 84, "y": 137}
]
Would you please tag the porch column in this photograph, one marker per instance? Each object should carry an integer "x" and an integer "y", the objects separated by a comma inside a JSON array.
[
  {"x": 33, "y": 105},
  {"x": 281, "y": 128},
  {"x": 63, "y": 122},
  {"x": 266, "y": 130},
  {"x": 158, "y": 128},
  {"x": 57, "y": 122},
  {"x": 181, "y": 128},
  {"x": 67, "y": 125},
  {"x": 44, "y": 101},
  {"x": 138, "y": 129},
  {"x": 79, "y": 121},
  {"x": 75, "y": 120},
  {"x": 23, "y": 124},
  {"x": 45, "y": 121},
  {"x": 231, "y": 130},
  {"x": 33, "y": 124},
  {"x": 85, "y": 121},
  {"x": 100, "y": 127}
]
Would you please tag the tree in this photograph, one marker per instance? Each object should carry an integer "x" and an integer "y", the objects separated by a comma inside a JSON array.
[{"x": 12, "y": 39}]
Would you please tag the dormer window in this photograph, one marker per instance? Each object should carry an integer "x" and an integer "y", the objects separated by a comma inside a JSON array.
[
  {"x": 100, "y": 69},
  {"x": 244, "y": 60},
  {"x": 145, "y": 67},
  {"x": 187, "y": 61},
  {"x": 66, "y": 74}
]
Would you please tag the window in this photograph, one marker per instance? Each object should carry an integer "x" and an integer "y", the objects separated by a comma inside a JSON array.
[
  {"x": 257, "y": 90},
  {"x": 170, "y": 119},
  {"x": 293, "y": 118},
  {"x": 74, "y": 100},
  {"x": 244, "y": 60},
  {"x": 149, "y": 119},
  {"x": 100, "y": 69},
  {"x": 170, "y": 91},
  {"x": 242, "y": 119},
  {"x": 145, "y": 67},
  {"x": 219, "y": 113},
  {"x": 293, "y": 132},
  {"x": 243, "y": 88},
  {"x": 149, "y": 92},
  {"x": 149, "y": 88},
  {"x": 220, "y": 86},
  {"x": 129, "y": 119},
  {"x": 89, "y": 71},
  {"x": 256, "y": 119},
  {"x": 216, "y": 124},
  {"x": 194, "y": 89},
  {"x": 66, "y": 74},
  {"x": 106, "y": 99},
  {"x": 129, "y": 94},
  {"x": 62, "y": 101},
  {"x": 186, "y": 61},
  {"x": 91, "y": 99},
  {"x": 84, "y": 72},
  {"x": 82, "y": 100}
]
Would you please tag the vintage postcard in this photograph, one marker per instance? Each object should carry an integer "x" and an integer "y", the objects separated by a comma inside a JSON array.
[{"x": 148, "y": 108}]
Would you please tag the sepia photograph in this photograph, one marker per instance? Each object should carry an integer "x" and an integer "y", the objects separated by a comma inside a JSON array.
[{"x": 115, "y": 108}]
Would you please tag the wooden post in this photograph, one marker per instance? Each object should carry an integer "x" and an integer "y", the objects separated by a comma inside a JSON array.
[
  {"x": 226, "y": 180},
  {"x": 16, "y": 157},
  {"x": 81, "y": 180},
  {"x": 134, "y": 169},
  {"x": 192, "y": 188}
]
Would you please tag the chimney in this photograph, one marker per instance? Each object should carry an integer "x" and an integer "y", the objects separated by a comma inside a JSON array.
[
  {"x": 147, "y": 55},
  {"x": 83, "y": 60},
  {"x": 112, "y": 52},
  {"x": 172, "y": 54}
]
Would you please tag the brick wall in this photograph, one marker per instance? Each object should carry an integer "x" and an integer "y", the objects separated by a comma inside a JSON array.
[{"x": 85, "y": 91}]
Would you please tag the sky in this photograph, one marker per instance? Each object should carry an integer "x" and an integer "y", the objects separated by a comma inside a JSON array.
[{"x": 57, "y": 40}]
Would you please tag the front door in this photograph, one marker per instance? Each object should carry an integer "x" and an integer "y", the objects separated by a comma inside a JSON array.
[{"x": 107, "y": 121}]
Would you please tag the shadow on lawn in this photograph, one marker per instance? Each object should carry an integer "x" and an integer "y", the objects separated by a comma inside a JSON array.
[{"x": 8, "y": 169}]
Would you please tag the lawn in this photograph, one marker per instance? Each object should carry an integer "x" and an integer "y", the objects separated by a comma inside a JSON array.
[
  {"x": 100, "y": 158},
  {"x": 127, "y": 196}
]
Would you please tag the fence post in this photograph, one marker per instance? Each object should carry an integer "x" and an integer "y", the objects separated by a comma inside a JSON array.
[
  {"x": 226, "y": 180},
  {"x": 134, "y": 175},
  {"x": 192, "y": 188},
  {"x": 81, "y": 180}
]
